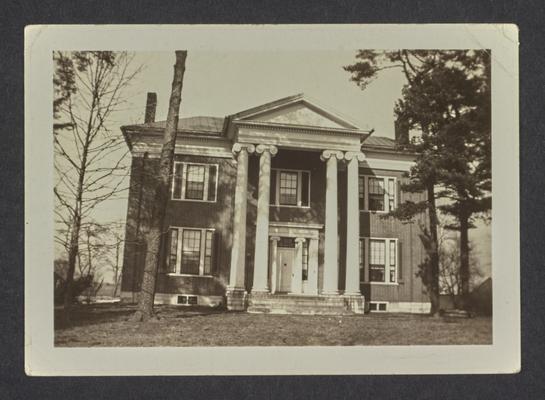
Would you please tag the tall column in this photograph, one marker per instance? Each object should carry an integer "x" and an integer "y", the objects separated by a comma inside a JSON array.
[
  {"x": 262, "y": 224},
  {"x": 236, "y": 290},
  {"x": 331, "y": 250},
  {"x": 297, "y": 273},
  {"x": 274, "y": 264},
  {"x": 352, "y": 286}
]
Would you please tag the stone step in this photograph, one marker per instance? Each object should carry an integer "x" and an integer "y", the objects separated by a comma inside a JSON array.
[{"x": 293, "y": 304}]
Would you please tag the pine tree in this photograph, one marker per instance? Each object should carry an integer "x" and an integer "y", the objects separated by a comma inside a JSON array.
[{"x": 446, "y": 98}]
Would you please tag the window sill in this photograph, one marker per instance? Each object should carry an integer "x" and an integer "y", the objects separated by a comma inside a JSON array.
[
  {"x": 287, "y": 206},
  {"x": 190, "y": 275},
  {"x": 195, "y": 201},
  {"x": 382, "y": 283}
]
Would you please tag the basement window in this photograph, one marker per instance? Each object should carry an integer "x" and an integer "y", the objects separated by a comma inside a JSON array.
[
  {"x": 376, "y": 306},
  {"x": 187, "y": 300}
]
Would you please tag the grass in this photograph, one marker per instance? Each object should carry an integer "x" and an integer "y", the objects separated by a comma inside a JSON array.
[{"x": 107, "y": 325}]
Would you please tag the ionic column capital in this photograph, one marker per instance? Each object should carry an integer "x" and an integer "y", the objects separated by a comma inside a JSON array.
[
  {"x": 238, "y": 147},
  {"x": 327, "y": 154},
  {"x": 274, "y": 238},
  {"x": 300, "y": 240},
  {"x": 354, "y": 155},
  {"x": 262, "y": 148}
]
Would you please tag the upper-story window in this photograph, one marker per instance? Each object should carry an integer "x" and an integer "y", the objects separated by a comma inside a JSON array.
[
  {"x": 377, "y": 193},
  {"x": 290, "y": 188},
  {"x": 193, "y": 181}
]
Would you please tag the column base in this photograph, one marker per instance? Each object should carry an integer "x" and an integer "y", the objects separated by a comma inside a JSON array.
[
  {"x": 354, "y": 302},
  {"x": 237, "y": 299}
]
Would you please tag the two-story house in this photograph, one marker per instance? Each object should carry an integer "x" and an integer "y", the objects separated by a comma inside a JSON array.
[{"x": 278, "y": 208}]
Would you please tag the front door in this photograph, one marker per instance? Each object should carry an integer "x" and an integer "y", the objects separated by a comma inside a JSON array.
[{"x": 285, "y": 264}]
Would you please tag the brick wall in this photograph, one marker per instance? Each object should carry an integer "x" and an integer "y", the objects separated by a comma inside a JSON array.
[{"x": 217, "y": 215}]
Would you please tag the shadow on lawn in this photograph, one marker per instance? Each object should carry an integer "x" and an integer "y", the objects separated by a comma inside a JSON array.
[{"x": 93, "y": 314}]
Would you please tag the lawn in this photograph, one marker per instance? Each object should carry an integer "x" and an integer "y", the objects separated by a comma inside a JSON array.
[{"x": 108, "y": 325}]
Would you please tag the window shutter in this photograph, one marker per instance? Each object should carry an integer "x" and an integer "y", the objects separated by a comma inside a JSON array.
[
  {"x": 361, "y": 192},
  {"x": 399, "y": 182},
  {"x": 273, "y": 187},
  {"x": 216, "y": 242},
  {"x": 177, "y": 181},
  {"x": 169, "y": 250},
  {"x": 399, "y": 263},
  {"x": 163, "y": 252},
  {"x": 305, "y": 195},
  {"x": 212, "y": 178}
]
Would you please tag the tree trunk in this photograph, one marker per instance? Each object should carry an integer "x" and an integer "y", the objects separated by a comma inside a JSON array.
[
  {"x": 72, "y": 254},
  {"x": 161, "y": 192},
  {"x": 76, "y": 225},
  {"x": 464, "y": 259},
  {"x": 433, "y": 268},
  {"x": 116, "y": 272}
]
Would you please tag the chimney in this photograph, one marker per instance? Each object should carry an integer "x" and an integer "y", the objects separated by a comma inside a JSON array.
[
  {"x": 401, "y": 127},
  {"x": 151, "y": 106}
]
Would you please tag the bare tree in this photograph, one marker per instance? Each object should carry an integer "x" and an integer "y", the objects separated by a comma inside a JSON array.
[
  {"x": 450, "y": 276},
  {"x": 89, "y": 88},
  {"x": 154, "y": 236}
]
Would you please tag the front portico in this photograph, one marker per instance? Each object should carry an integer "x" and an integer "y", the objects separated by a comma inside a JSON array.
[{"x": 286, "y": 253}]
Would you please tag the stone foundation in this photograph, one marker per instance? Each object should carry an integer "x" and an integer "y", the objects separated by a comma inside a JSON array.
[
  {"x": 355, "y": 303},
  {"x": 236, "y": 299}
]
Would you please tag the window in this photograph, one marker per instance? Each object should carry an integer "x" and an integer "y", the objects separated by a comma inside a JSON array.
[
  {"x": 195, "y": 182},
  {"x": 362, "y": 258},
  {"x": 377, "y": 257},
  {"x": 191, "y": 251},
  {"x": 361, "y": 191},
  {"x": 377, "y": 193},
  {"x": 290, "y": 188},
  {"x": 379, "y": 260},
  {"x": 305, "y": 260},
  {"x": 208, "y": 252}
]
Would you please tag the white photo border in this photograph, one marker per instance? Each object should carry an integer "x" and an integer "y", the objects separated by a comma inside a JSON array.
[{"x": 43, "y": 359}]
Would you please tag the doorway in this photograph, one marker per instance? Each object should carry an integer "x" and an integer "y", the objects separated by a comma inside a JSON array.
[{"x": 286, "y": 256}]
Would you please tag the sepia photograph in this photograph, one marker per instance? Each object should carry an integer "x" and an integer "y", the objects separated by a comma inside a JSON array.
[{"x": 270, "y": 197}]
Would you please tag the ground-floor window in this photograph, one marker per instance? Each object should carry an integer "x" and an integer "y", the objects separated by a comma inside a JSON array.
[
  {"x": 305, "y": 259},
  {"x": 379, "y": 260},
  {"x": 191, "y": 251}
]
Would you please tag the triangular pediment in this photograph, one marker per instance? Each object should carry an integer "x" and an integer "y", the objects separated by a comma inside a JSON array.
[{"x": 295, "y": 110}]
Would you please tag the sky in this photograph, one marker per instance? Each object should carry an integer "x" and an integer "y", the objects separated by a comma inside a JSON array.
[{"x": 219, "y": 84}]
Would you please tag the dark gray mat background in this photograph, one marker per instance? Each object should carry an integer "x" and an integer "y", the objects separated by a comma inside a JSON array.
[{"x": 530, "y": 17}]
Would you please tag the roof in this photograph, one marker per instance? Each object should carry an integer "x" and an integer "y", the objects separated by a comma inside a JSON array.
[
  {"x": 379, "y": 142},
  {"x": 200, "y": 123},
  {"x": 298, "y": 98}
]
